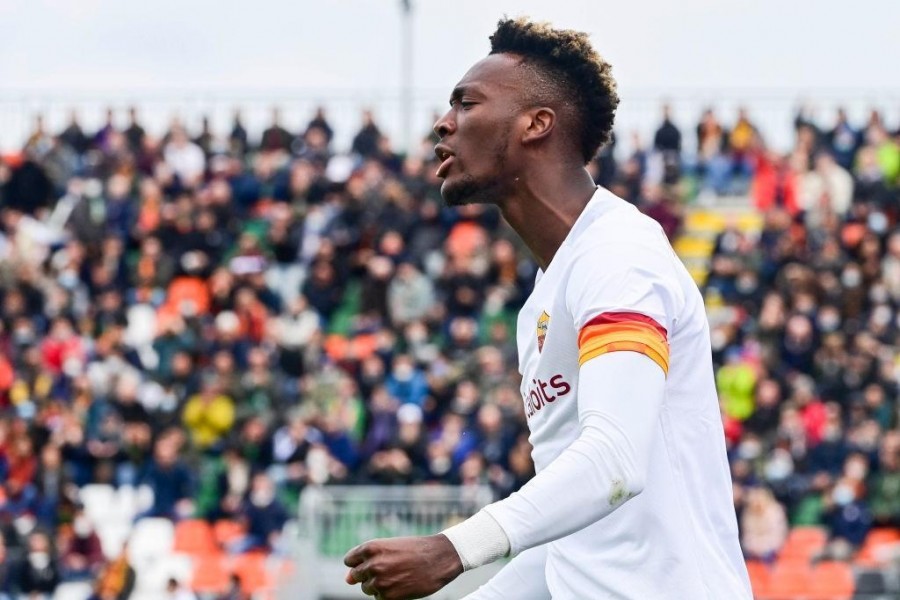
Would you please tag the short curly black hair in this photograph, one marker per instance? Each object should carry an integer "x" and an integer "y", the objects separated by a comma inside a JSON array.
[{"x": 570, "y": 74}]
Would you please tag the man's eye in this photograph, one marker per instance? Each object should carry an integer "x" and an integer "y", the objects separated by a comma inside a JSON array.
[{"x": 467, "y": 105}]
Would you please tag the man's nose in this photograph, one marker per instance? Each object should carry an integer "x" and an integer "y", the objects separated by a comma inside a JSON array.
[{"x": 445, "y": 125}]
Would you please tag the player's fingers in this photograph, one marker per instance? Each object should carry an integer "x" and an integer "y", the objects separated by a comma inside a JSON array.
[
  {"x": 369, "y": 587},
  {"x": 358, "y": 574},
  {"x": 356, "y": 555}
]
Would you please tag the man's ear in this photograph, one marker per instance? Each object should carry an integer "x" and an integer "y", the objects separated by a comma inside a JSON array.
[{"x": 541, "y": 122}]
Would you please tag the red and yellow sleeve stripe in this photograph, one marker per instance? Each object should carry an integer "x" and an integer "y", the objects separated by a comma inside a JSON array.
[{"x": 624, "y": 331}]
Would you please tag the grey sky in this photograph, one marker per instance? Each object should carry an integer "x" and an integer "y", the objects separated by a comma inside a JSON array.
[{"x": 716, "y": 48}]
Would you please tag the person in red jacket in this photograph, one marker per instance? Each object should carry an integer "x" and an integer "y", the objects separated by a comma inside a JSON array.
[{"x": 774, "y": 182}]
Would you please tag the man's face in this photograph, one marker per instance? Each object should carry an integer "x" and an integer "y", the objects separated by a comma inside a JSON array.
[{"x": 477, "y": 132}]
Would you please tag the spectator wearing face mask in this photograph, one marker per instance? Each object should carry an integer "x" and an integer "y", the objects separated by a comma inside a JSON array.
[
  {"x": 849, "y": 519},
  {"x": 264, "y": 516},
  {"x": 401, "y": 459},
  {"x": 81, "y": 555},
  {"x": 39, "y": 574},
  {"x": 406, "y": 382}
]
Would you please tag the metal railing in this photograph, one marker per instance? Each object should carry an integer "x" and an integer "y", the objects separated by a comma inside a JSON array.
[{"x": 333, "y": 519}]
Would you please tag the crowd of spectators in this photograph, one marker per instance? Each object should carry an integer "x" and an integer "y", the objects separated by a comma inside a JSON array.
[
  {"x": 230, "y": 319},
  {"x": 805, "y": 337}
]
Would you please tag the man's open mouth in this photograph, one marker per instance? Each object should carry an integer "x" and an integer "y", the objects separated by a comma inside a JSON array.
[{"x": 446, "y": 157}]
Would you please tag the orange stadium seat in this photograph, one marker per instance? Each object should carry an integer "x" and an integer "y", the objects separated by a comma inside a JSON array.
[
  {"x": 832, "y": 581},
  {"x": 251, "y": 569},
  {"x": 194, "y": 537},
  {"x": 802, "y": 544},
  {"x": 868, "y": 555},
  {"x": 336, "y": 346},
  {"x": 359, "y": 347},
  {"x": 210, "y": 574},
  {"x": 883, "y": 535},
  {"x": 789, "y": 581},
  {"x": 759, "y": 578}
]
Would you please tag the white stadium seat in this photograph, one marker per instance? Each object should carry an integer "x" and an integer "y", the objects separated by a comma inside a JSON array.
[
  {"x": 80, "y": 590},
  {"x": 98, "y": 500},
  {"x": 150, "y": 539}
]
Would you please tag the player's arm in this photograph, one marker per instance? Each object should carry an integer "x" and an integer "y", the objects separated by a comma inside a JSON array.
[
  {"x": 523, "y": 578},
  {"x": 620, "y": 395}
]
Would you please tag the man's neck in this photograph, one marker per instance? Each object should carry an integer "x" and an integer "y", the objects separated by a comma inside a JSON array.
[{"x": 544, "y": 208}]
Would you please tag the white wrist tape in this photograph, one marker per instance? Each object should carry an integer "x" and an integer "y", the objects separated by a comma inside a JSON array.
[{"x": 478, "y": 540}]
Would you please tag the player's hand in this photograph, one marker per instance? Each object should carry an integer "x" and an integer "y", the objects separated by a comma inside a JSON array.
[{"x": 403, "y": 568}]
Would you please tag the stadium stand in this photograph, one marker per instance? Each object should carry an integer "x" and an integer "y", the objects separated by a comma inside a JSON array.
[{"x": 194, "y": 330}]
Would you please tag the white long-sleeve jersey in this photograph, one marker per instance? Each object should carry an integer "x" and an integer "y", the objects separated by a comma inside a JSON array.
[{"x": 632, "y": 498}]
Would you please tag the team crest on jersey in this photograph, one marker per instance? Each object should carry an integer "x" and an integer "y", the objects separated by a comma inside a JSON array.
[{"x": 542, "y": 325}]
